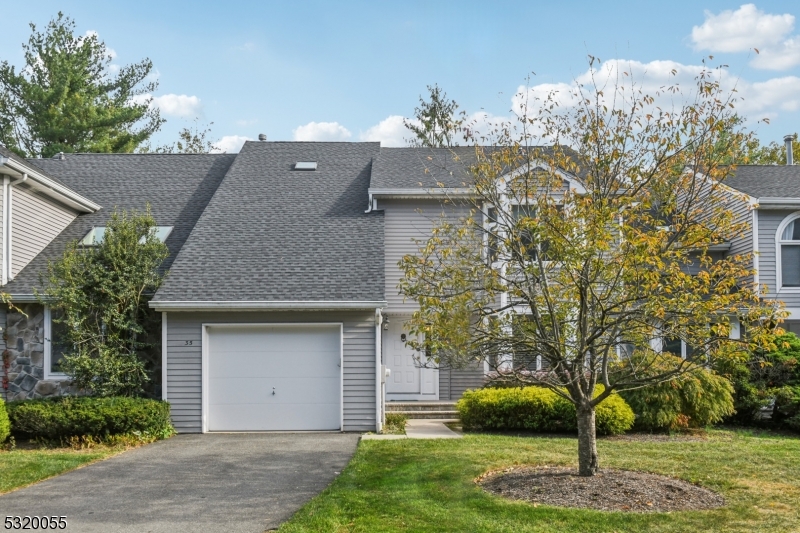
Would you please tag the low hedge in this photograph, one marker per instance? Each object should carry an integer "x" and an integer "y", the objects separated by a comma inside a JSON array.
[
  {"x": 5, "y": 427},
  {"x": 537, "y": 409},
  {"x": 84, "y": 416}
]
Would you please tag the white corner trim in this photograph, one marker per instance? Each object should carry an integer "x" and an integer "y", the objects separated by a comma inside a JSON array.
[
  {"x": 778, "y": 256},
  {"x": 5, "y": 233},
  {"x": 320, "y": 305},
  {"x": 756, "y": 252},
  {"x": 164, "y": 355},
  {"x": 378, "y": 368},
  {"x": 48, "y": 349}
]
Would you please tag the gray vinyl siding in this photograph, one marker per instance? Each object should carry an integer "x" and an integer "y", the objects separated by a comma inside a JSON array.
[
  {"x": 405, "y": 221},
  {"x": 453, "y": 382},
  {"x": 2, "y": 221},
  {"x": 184, "y": 363},
  {"x": 35, "y": 221},
  {"x": 744, "y": 244},
  {"x": 768, "y": 222}
]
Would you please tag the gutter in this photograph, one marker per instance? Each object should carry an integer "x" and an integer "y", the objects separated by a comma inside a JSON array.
[
  {"x": 420, "y": 193},
  {"x": 778, "y": 202},
  {"x": 58, "y": 191},
  {"x": 265, "y": 305}
]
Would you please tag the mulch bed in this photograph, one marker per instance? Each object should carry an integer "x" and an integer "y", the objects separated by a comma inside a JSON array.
[{"x": 609, "y": 490}]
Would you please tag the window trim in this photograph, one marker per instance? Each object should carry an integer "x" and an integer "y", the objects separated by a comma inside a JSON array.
[
  {"x": 48, "y": 328},
  {"x": 779, "y": 242}
]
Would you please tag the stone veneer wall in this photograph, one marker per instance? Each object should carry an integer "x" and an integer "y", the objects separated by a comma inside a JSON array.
[{"x": 24, "y": 339}]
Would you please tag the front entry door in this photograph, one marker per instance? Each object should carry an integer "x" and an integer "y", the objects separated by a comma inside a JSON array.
[{"x": 407, "y": 380}]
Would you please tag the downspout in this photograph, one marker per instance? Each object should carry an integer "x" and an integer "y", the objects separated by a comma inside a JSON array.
[
  {"x": 373, "y": 204},
  {"x": 164, "y": 355},
  {"x": 379, "y": 373},
  {"x": 4, "y": 273}
]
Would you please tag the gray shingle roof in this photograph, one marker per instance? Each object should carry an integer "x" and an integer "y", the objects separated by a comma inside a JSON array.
[
  {"x": 271, "y": 233},
  {"x": 417, "y": 168},
  {"x": 414, "y": 168},
  {"x": 177, "y": 186},
  {"x": 759, "y": 181}
]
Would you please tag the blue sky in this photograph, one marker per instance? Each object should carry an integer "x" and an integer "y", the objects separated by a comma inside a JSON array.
[{"x": 343, "y": 70}]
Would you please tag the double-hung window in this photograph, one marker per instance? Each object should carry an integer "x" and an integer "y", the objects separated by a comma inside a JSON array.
[
  {"x": 789, "y": 243},
  {"x": 55, "y": 345}
]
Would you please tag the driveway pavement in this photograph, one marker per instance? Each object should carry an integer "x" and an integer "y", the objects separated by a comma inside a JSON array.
[{"x": 234, "y": 482}]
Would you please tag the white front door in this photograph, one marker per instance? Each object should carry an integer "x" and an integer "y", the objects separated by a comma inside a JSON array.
[{"x": 407, "y": 381}]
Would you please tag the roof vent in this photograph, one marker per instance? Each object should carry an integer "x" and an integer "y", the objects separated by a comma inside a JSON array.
[
  {"x": 60, "y": 156},
  {"x": 305, "y": 165},
  {"x": 262, "y": 137},
  {"x": 789, "y": 155}
]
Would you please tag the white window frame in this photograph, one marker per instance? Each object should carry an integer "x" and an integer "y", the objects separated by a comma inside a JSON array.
[
  {"x": 779, "y": 243},
  {"x": 48, "y": 329}
]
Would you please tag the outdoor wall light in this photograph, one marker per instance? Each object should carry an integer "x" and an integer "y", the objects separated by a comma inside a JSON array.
[{"x": 386, "y": 323}]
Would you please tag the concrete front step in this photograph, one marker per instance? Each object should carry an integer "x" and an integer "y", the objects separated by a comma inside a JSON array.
[
  {"x": 420, "y": 406},
  {"x": 428, "y": 415}
]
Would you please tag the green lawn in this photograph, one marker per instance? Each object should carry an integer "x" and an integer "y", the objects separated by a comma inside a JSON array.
[
  {"x": 418, "y": 485},
  {"x": 19, "y": 468}
]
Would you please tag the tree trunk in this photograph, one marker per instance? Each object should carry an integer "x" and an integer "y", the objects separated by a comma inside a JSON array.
[{"x": 587, "y": 441}]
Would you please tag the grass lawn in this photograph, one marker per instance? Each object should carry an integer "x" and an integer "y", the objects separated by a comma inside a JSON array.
[
  {"x": 20, "y": 467},
  {"x": 419, "y": 485}
]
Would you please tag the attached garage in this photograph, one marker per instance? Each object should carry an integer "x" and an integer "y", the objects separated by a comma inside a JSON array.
[{"x": 272, "y": 377}]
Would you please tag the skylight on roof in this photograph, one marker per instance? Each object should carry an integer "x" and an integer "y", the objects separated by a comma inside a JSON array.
[
  {"x": 305, "y": 165},
  {"x": 97, "y": 234}
]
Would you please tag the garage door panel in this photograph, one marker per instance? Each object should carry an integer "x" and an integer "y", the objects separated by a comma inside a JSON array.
[
  {"x": 287, "y": 390},
  {"x": 230, "y": 363},
  {"x": 302, "y": 363},
  {"x": 306, "y": 417},
  {"x": 281, "y": 338}
]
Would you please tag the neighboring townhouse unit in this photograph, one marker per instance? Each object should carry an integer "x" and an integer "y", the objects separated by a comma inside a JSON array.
[{"x": 772, "y": 204}]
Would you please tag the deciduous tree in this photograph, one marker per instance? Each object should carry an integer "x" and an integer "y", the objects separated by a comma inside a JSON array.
[
  {"x": 98, "y": 295},
  {"x": 588, "y": 251}
]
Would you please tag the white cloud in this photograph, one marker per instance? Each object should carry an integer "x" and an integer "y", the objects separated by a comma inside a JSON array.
[
  {"x": 230, "y": 144},
  {"x": 246, "y": 122},
  {"x": 750, "y": 28},
  {"x": 390, "y": 131},
  {"x": 178, "y": 105},
  {"x": 321, "y": 131},
  {"x": 754, "y": 100}
]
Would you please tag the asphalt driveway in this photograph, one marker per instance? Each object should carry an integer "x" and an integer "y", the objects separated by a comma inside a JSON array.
[{"x": 245, "y": 482}]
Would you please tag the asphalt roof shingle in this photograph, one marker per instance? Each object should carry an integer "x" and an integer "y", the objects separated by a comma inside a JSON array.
[
  {"x": 176, "y": 186},
  {"x": 271, "y": 233},
  {"x": 759, "y": 181},
  {"x": 432, "y": 168}
]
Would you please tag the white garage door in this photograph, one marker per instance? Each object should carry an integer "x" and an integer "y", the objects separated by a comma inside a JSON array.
[{"x": 274, "y": 378}]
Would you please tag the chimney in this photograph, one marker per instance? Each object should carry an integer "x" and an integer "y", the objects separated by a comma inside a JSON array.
[
  {"x": 789, "y": 155},
  {"x": 262, "y": 137}
]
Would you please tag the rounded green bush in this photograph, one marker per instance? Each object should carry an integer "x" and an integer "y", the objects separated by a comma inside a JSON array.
[
  {"x": 70, "y": 416},
  {"x": 537, "y": 409},
  {"x": 5, "y": 425}
]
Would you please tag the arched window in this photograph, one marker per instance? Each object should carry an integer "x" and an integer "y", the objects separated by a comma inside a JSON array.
[{"x": 789, "y": 250}]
